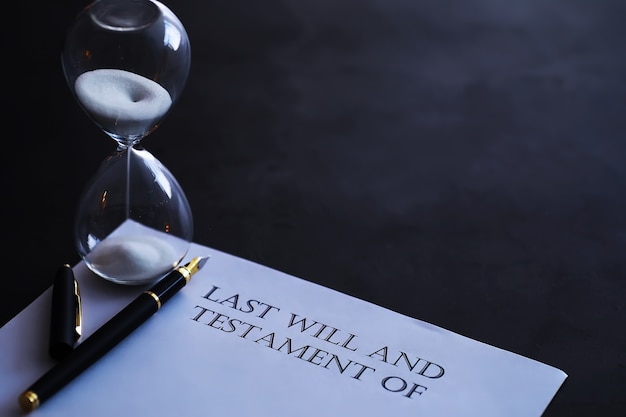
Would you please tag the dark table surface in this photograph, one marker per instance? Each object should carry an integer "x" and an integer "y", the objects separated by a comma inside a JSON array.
[{"x": 457, "y": 161}]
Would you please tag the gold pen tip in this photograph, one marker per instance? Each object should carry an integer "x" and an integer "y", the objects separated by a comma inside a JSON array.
[
  {"x": 196, "y": 263},
  {"x": 202, "y": 261},
  {"x": 28, "y": 401}
]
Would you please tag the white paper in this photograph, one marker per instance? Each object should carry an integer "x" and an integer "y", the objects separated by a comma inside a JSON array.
[{"x": 224, "y": 346}]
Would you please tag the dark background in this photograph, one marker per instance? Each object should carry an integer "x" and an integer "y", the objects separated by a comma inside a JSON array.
[{"x": 457, "y": 161}]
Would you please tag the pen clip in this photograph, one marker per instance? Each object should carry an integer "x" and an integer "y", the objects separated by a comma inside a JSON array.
[{"x": 78, "y": 312}]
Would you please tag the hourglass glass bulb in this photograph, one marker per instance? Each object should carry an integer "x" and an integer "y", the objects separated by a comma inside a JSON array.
[
  {"x": 134, "y": 223},
  {"x": 126, "y": 61}
]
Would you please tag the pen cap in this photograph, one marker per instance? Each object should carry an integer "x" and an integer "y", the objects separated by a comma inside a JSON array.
[{"x": 63, "y": 315}]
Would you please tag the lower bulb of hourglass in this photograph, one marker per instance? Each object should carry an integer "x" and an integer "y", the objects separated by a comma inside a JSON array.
[{"x": 134, "y": 223}]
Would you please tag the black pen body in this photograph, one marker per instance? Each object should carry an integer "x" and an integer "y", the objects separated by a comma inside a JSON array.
[
  {"x": 168, "y": 286},
  {"x": 102, "y": 340}
]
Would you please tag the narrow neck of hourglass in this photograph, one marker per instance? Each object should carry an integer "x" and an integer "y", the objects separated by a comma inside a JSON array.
[{"x": 122, "y": 146}]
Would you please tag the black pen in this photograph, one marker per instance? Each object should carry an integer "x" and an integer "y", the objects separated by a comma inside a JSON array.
[
  {"x": 109, "y": 335},
  {"x": 65, "y": 314}
]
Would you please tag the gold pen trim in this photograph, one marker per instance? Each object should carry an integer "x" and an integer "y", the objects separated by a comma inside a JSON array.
[
  {"x": 192, "y": 267},
  {"x": 156, "y": 298},
  {"x": 79, "y": 311},
  {"x": 185, "y": 272},
  {"x": 29, "y": 401}
]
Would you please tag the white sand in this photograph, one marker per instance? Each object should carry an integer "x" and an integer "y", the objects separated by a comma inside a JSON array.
[
  {"x": 122, "y": 102},
  {"x": 136, "y": 254},
  {"x": 133, "y": 259}
]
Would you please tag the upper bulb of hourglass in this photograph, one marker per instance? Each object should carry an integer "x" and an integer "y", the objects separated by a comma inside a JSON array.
[{"x": 126, "y": 62}]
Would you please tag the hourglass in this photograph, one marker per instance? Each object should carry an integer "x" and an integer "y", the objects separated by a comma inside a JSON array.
[{"x": 126, "y": 62}]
